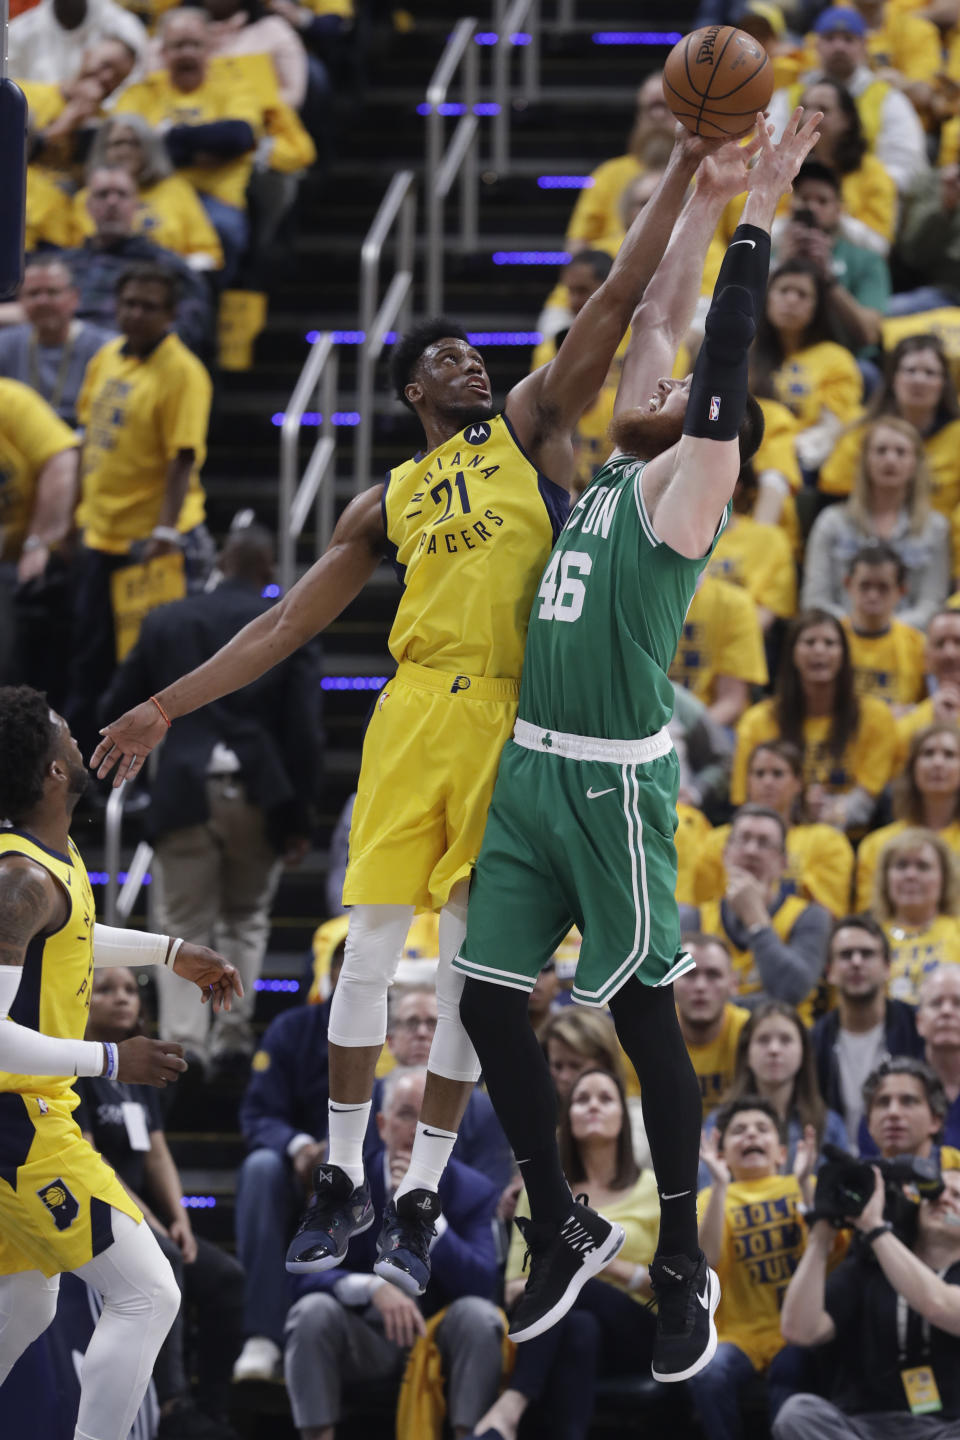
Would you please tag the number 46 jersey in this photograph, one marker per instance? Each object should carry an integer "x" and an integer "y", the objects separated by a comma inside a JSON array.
[
  {"x": 471, "y": 525},
  {"x": 607, "y": 617}
]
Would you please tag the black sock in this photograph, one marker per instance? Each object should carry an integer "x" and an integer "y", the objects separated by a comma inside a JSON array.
[
  {"x": 647, "y": 1025},
  {"x": 518, "y": 1080}
]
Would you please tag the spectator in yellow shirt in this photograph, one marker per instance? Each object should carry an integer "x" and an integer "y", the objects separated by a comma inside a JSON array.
[
  {"x": 710, "y": 1022},
  {"x": 848, "y": 742},
  {"x": 890, "y": 503},
  {"x": 942, "y": 666},
  {"x": 169, "y": 211},
  {"x": 720, "y": 654},
  {"x": 755, "y": 556},
  {"x": 927, "y": 795},
  {"x": 145, "y": 405},
  {"x": 819, "y": 857},
  {"x": 752, "y": 1233},
  {"x": 794, "y": 353},
  {"x": 211, "y": 124},
  {"x": 887, "y": 655},
  {"x": 917, "y": 900},
  {"x": 917, "y": 386}
]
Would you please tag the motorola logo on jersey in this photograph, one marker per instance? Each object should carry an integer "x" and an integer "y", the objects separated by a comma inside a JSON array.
[
  {"x": 477, "y": 434},
  {"x": 63, "y": 1206}
]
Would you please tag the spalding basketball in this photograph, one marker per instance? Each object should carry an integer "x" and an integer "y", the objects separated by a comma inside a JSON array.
[{"x": 716, "y": 79}]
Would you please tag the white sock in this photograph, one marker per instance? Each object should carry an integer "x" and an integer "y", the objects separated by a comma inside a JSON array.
[
  {"x": 346, "y": 1128},
  {"x": 428, "y": 1160}
]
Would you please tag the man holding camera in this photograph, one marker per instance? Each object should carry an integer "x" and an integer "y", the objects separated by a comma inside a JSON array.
[{"x": 892, "y": 1310}]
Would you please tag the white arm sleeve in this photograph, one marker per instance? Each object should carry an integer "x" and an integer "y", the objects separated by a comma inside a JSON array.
[
  {"x": 127, "y": 947},
  {"x": 26, "y": 1052}
]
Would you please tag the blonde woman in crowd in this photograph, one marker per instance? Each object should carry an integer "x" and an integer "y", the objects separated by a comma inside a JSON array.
[
  {"x": 927, "y": 794},
  {"x": 916, "y": 898}
]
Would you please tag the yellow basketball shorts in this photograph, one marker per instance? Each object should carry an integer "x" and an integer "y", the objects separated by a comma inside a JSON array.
[
  {"x": 429, "y": 765},
  {"x": 56, "y": 1192}
]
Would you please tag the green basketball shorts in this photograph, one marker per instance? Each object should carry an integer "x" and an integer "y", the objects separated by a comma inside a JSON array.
[{"x": 578, "y": 841}]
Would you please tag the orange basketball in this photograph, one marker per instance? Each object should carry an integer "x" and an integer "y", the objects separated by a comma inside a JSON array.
[{"x": 716, "y": 79}]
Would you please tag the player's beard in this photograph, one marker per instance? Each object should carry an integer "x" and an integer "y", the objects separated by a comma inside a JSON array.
[
  {"x": 646, "y": 433},
  {"x": 472, "y": 413},
  {"x": 78, "y": 782}
]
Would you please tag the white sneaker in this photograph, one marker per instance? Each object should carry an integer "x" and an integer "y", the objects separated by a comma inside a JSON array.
[{"x": 258, "y": 1360}]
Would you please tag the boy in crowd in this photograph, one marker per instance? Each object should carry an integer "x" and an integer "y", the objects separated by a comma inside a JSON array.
[{"x": 887, "y": 655}]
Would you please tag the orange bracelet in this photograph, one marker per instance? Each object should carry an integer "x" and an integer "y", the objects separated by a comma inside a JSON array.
[{"x": 163, "y": 712}]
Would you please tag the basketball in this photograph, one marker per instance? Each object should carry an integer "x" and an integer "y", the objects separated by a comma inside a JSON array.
[{"x": 716, "y": 79}]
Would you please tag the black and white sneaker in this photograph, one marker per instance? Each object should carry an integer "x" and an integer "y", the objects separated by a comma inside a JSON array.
[
  {"x": 688, "y": 1293},
  {"x": 561, "y": 1263},
  {"x": 403, "y": 1246},
  {"x": 338, "y": 1211}
]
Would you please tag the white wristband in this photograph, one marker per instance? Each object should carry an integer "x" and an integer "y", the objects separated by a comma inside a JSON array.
[
  {"x": 172, "y": 952},
  {"x": 112, "y": 946}
]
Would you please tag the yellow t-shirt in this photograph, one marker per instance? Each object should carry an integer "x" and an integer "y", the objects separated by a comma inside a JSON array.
[
  {"x": 943, "y": 322},
  {"x": 907, "y": 726},
  {"x": 763, "y": 1241},
  {"x": 636, "y": 1209},
  {"x": 170, "y": 214},
  {"x": 907, "y": 43},
  {"x": 916, "y": 952},
  {"x": 777, "y": 450},
  {"x": 597, "y": 210},
  {"x": 782, "y": 921},
  {"x": 758, "y": 558},
  {"x": 820, "y": 863},
  {"x": 693, "y": 828},
  {"x": 714, "y": 1062},
  {"x": 942, "y": 449},
  {"x": 821, "y": 377},
  {"x": 868, "y": 759},
  {"x": 888, "y": 666},
  {"x": 47, "y": 218},
  {"x": 868, "y": 854},
  {"x": 721, "y": 636},
  {"x": 31, "y": 433},
  {"x": 472, "y": 526},
  {"x": 138, "y": 414},
  {"x": 222, "y": 96}
]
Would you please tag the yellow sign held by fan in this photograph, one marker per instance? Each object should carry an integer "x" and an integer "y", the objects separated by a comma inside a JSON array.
[{"x": 137, "y": 589}]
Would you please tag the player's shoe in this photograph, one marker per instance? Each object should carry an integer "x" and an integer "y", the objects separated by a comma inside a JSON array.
[
  {"x": 688, "y": 1293},
  {"x": 561, "y": 1262},
  {"x": 338, "y": 1211},
  {"x": 403, "y": 1245}
]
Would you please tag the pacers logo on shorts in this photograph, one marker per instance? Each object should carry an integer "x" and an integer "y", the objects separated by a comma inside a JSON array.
[
  {"x": 460, "y": 682},
  {"x": 63, "y": 1206}
]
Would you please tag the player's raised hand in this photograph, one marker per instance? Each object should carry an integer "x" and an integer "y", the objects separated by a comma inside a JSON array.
[
  {"x": 127, "y": 742},
  {"x": 712, "y": 1158},
  {"x": 724, "y": 171},
  {"x": 777, "y": 165}
]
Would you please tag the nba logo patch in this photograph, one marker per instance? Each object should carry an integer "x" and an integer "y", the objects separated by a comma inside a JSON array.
[
  {"x": 384, "y": 695},
  {"x": 42, "y": 1105},
  {"x": 63, "y": 1206},
  {"x": 714, "y": 407}
]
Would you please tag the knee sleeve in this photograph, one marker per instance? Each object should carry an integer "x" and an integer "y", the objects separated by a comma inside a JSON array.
[
  {"x": 451, "y": 1054},
  {"x": 375, "y": 940}
]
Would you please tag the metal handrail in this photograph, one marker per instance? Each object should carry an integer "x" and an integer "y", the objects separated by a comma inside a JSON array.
[
  {"x": 397, "y": 208},
  {"x": 565, "y": 13},
  {"x": 509, "y": 18},
  {"x": 318, "y": 377},
  {"x": 460, "y": 156},
  {"x": 119, "y": 901}
]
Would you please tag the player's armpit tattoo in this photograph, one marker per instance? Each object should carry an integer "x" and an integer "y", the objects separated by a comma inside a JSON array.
[{"x": 27, "y": 906}]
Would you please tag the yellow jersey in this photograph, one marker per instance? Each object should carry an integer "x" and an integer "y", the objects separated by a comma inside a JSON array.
[
  {"x": 759, "y": 559},
  {"x": 471, "y": 525},
  {"x": 942, "y": 449},
  {"x": 917, "y": 950},
  {"x": 31, "y": 433},
  {"x": 597, "y": 210},
  {"x": 222, "y": 96},
  {"x": 715, "y": 1062},
  {"x": 868, "y": 854},
  {"x": 764, "y": 1239},
  {"x": 820, "y": 864},
  {"x": 138, "y": 413},
  {"x": 782, "y": 921},
  {"x": 721, "y": 636},
  {"x": 54, "y": 993},
  {"x": 170, "y": 214},
  {"x": 868, "y": 760},
  {"x": 889, "y": 666},
  {"x": 693, "y": 829},
  {"x": 819, "y": 377}
]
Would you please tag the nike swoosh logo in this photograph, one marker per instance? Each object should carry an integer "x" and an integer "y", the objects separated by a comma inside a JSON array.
[
  {"x": 705, "y": 1297},
  {"x": 676, "y": 1196},
  {"x": 595, "y": 794},
  {"x": 751, "y": 243},
  {"x": 436, "y": 1134}
]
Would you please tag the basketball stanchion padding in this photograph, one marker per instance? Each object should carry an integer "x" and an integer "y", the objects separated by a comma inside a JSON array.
[{"x": 13, "y": 168}]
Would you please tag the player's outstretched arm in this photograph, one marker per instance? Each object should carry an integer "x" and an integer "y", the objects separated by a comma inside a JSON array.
[
  {"x": 317, "y": 599},
  {"x": 689, "y": 486},
  {"x": 550, "y": 401},
  {"x": 665, "y": 314}
]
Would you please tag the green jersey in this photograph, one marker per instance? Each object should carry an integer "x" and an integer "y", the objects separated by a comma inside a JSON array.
[{"x": 608, "y": 616}]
